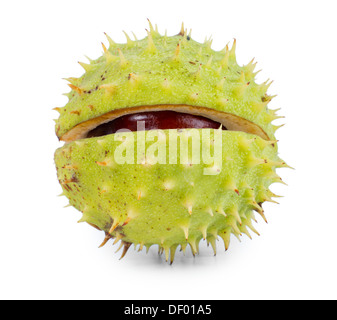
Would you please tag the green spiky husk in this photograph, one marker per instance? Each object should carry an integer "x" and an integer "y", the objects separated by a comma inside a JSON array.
[
  {"x": 166, "y": 70},
  {"x": 166, "y": 204},
  {"x": 169, "y": 204}
]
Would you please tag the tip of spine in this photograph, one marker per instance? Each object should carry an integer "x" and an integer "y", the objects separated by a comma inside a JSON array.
[
  {"x": 105, "y": 50},
  {"x": 122, "y": 58},
  {"x": 127, "y": 245},
  {"x": 151, "y": 48},
  {"x": 129, "y": 42},
  {"x": 150, "y": 26},
  {"x": 87, "y": 67},
  {"x": 77, "y": 89},
  {"x": 224, "y": 61},
  {"x": 233, "y": 49},
  {"x": 182, "y": 30},
  {"x": 112, "y": 43}
]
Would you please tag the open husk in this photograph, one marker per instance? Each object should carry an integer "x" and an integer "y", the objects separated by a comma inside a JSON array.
[{"x": 228, "y": 120}]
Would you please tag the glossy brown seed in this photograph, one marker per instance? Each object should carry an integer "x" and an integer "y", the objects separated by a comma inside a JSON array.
[{"x": 154, "y": 120}]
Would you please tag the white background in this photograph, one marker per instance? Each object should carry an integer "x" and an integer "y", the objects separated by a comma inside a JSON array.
[{"x": 46, "y": 254}]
